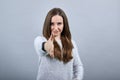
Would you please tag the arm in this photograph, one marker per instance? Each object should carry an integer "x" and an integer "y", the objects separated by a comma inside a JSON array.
[
  {"x": 38, "y": 45},
  {"x": 77, "y": 65},
  {"x": 43, "y": 46}
]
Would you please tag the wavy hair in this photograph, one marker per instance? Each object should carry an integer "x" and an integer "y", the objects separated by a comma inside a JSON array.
[{"x": 65, "y": 54}]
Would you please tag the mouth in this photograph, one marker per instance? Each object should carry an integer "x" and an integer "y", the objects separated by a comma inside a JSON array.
[{"x": 55, "y": 32}]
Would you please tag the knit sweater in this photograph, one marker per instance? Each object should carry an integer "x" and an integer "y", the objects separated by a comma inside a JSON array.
[{"x": 53, "y": 69}]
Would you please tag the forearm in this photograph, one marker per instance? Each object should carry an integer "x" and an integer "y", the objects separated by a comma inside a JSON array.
[{"x": 78, "y": 72}]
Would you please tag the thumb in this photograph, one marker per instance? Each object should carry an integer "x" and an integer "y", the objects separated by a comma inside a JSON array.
[{"x": 51, "y": 37}]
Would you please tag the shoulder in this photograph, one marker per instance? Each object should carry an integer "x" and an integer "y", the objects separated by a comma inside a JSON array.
[{"x": 74, "y": 43}]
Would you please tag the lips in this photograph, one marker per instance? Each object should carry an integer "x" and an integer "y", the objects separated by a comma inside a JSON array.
[{"x": 55, "y": 32}]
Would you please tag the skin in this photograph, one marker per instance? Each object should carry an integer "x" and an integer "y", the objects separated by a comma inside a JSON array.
[{"x": 56, "y": 30}]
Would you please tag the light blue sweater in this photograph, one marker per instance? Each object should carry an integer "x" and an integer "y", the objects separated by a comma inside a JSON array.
[{"x": 53, "y": 69}]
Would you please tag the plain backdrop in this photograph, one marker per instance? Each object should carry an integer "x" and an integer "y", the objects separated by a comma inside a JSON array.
[{"x": 94, "y": 25}]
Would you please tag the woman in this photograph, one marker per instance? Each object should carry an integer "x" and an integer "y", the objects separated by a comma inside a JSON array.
[{"x": 58, "y": 54}]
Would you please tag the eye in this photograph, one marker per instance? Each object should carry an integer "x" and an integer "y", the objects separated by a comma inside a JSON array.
[
  {"x": 51, "y": 23},
  {"x": 59, "y": 23}
]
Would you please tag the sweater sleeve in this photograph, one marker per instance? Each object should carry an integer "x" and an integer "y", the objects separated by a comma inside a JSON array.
[
  {"x": 38, "y": 41},
  {"x": 77, "y": 64}
]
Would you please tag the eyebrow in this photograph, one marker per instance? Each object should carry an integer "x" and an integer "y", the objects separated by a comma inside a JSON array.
[{"x": 59, "y": 22}]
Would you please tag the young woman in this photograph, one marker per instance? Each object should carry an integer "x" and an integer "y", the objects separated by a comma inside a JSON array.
[{"x": 58, "y": 54}]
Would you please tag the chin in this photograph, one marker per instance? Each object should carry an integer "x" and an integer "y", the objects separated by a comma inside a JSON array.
[{"x": 55, "y": 35}]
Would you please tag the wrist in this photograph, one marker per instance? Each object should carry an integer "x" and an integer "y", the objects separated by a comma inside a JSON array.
[{"x": 43, "y": 46}]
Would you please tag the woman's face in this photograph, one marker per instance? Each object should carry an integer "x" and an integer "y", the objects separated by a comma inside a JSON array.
[{"x": 56, "y": 25}]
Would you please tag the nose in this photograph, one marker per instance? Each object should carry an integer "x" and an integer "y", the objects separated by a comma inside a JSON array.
[{"x": 55, "y": 26}]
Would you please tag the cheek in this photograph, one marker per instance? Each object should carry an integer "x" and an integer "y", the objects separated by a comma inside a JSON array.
[
  {"x": 60, "y": 29},
  {"x": 52, "y": 28}
]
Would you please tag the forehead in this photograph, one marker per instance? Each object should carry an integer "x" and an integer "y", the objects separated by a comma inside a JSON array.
[{"x": 56, "y": 18}]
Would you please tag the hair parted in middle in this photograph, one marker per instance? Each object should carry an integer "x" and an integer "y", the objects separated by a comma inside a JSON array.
[{"x": 67, "y": 45}]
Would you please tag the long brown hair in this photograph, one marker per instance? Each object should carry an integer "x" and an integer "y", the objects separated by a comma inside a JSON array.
[{"x": 65, "y": 54}]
